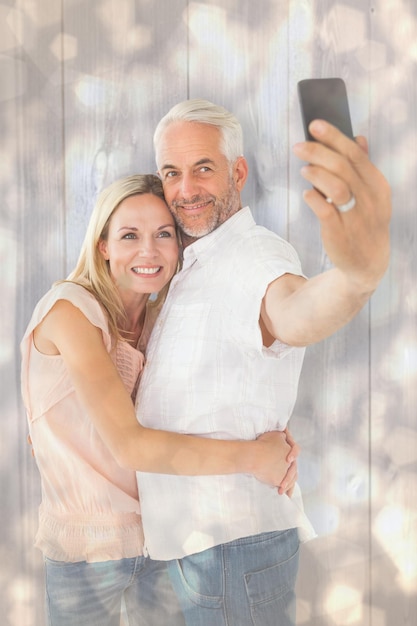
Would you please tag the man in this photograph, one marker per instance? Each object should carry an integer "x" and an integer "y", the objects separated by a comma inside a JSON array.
[{"x": 226, "y": 353}]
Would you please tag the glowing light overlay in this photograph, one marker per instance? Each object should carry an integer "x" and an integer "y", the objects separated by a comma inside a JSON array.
[{"x": 82, "y": 88}]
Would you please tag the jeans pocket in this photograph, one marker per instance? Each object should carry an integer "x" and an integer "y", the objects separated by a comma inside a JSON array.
[
  {"x": 199, "y": 578},
  {"x": 271, "y": 593}
]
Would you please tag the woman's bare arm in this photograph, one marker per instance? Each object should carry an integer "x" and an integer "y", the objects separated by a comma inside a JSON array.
[{"x": 108, "y": 404}]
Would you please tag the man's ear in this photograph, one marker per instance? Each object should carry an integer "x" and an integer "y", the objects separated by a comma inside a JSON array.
[
  {"x": 240, "y": 172},
  {"x": 102, "y": 247}
]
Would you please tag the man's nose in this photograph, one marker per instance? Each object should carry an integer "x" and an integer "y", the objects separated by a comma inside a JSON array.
[{"x": 188, "y": 185}]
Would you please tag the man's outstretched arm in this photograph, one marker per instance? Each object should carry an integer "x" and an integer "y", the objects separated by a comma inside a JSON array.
[{"x": 300, "y": 312}]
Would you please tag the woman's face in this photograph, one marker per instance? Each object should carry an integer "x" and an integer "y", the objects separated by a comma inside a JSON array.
[{"x": 142, "y": 247}]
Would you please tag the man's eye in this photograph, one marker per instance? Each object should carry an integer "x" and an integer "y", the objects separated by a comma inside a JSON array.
[
  {"x": 171, "y": 174},
  {"x": 203, "y": 170}
]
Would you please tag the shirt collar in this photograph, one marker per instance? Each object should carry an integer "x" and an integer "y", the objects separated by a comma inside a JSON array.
[{"x": 202, "y": 248}]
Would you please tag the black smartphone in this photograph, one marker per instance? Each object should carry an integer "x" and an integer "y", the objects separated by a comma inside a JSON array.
[{"x": 325, "y": 99}]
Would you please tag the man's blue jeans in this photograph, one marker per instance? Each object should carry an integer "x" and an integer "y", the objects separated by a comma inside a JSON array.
[
  {"x": 247, "y": 582},
  {"x": 90, "y": 594}
]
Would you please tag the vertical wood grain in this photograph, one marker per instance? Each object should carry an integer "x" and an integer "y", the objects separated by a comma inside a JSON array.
[
  {"x": 331, "y": 417},
  {"x": 129, "y": 69},
  {"x": 392, "y": 58},
  {"x": 239, "y": 59},
  {"x": 32, "y": 222}
]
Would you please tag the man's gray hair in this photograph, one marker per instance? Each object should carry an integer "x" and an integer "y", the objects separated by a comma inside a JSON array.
[{"x": 205, "y": 112}]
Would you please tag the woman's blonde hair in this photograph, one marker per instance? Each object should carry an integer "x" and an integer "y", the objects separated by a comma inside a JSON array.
[{"x": 92, "y": 270}]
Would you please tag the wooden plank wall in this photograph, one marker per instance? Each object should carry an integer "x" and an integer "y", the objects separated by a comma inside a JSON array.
[{"x": 82, "y": 85}]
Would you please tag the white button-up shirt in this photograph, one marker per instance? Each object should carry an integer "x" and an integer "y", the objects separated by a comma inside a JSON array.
[{"x": 208, "y": 374}]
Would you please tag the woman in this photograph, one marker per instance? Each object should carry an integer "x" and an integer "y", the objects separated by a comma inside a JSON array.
[{"x": 82, "y": 355}]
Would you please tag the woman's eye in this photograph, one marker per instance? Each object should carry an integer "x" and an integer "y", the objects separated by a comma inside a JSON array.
[
  {"x": 164, "y": 233},
  {"x": 129, "y": 236}
]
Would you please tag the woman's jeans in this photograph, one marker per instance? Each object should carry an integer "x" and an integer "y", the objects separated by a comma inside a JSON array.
[
  {"x": 90, "y": 594},
  {"x": 247, "y": 582}
]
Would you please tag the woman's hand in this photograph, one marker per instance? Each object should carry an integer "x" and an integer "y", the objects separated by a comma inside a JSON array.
[
  {"x": 282, "y": 470},
  {"x": 274, "y": 452},
  {"x": 288, "y": 483}
]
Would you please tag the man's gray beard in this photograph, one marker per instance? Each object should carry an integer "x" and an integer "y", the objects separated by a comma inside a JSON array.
[{"x": 222, "y": 210}]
